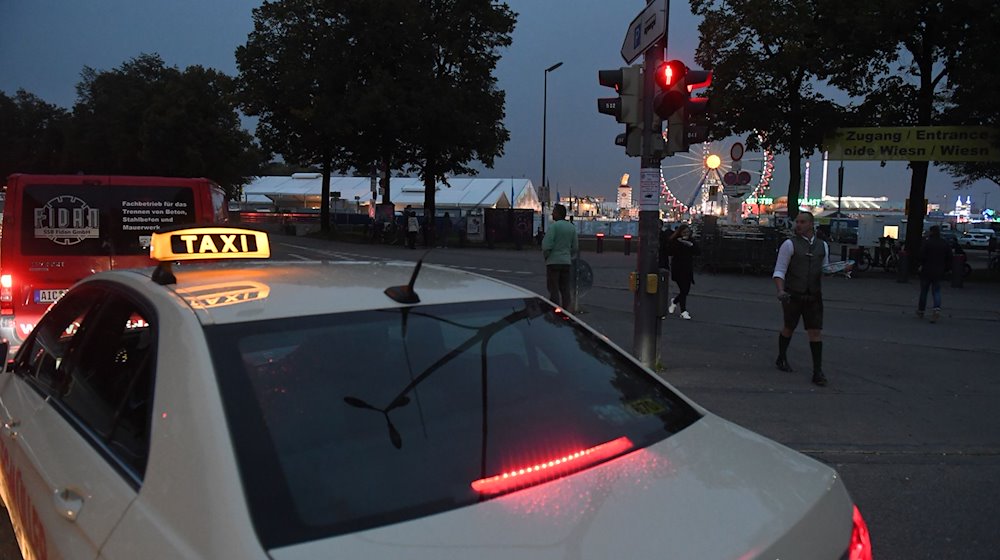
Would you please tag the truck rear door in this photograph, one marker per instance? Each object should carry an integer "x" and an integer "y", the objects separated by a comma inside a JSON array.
[{"x": 59, "y": 240}]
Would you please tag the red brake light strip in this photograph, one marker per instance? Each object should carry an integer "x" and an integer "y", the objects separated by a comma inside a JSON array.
[{"x": 555, "y": 468}]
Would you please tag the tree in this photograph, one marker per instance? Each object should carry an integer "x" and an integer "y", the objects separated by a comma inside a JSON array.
[
  {"x": 975, "y": 97},
  {"x": 903, "y": 74},
  {"x": 145, "y": 118},
  {"x": 385, "y": 103},
  {"x": 296, "y": 73},
  {"x": 461, "y": 110},
  {"x": 768, "y": 57},
  {"x": 33, "y": 135}
]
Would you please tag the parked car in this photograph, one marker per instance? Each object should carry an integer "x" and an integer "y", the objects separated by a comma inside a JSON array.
[
  {"x": 987, "y": 232},
  {"x": 970, "y": 240}
]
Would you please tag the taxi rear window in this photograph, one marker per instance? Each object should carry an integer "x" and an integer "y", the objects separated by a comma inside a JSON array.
[
  {"x": 99, "y": 220},
  {"x": 351, "y": 421}
]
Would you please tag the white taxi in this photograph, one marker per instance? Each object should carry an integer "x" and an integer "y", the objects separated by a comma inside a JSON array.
[{"x": 295, "y": 411}]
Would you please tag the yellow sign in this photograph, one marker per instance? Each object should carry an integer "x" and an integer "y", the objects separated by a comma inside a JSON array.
[
  {"x": 209, "y": 243},
  {"x": 915, "y": 143},
  {"x": 223, "y": 294}
]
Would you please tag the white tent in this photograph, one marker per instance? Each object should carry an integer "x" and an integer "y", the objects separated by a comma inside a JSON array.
[{"x": 303, "y": 190}]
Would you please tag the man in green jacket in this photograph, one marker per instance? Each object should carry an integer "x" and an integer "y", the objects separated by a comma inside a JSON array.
[{"x": 560, "y": 246}]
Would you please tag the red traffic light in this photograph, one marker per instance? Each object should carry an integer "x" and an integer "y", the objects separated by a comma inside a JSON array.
[{"x": 670, "y": 73}]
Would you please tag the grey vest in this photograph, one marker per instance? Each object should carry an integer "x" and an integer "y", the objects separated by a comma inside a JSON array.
[{"x": 806, "y": 267}]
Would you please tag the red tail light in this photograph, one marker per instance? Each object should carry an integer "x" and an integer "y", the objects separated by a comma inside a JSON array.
[
  {"x": 861, "y": 544},
  {"x": 6, "y": 293},
  {"x": 548, "y": 470}
]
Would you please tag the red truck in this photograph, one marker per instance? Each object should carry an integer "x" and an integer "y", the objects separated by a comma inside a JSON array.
[{"x": 57, "y": 229}]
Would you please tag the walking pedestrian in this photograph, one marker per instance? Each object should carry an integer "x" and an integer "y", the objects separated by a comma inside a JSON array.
[
  {"x": 663, "y": 263},
  {"x": 446, "y": 227},
  {"x": 664, "y": 246},
  {"x": 797, "y": 276},
  {"x": 683, "y": 250},
  {"x": 412, "y": 227},
  {"x": 559, "y": 247},
  {"x": 935, "y": 263}
]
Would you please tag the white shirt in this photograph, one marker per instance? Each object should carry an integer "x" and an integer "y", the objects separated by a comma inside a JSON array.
[{"x": 786, "y": 251}]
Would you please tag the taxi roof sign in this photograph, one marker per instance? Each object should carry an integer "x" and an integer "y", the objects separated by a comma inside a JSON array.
[{"x": 209, "y": 243}]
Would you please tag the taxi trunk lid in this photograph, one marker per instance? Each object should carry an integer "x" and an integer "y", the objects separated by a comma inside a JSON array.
[{"x": 714, "y": 490}]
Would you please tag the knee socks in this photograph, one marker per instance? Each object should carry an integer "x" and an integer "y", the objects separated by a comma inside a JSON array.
[
  {"x": 783, "y": 345},
  {"x": 816, "y": 346}
]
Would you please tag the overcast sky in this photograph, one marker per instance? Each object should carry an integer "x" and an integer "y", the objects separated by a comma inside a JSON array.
[{"x": 44, "y": 44}]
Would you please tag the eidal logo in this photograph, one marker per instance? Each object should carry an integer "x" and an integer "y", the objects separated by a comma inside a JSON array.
[{"x": 67, "y": 220}]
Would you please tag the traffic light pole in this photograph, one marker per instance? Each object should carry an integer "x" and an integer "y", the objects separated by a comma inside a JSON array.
[{"x": 645, "y": 334}]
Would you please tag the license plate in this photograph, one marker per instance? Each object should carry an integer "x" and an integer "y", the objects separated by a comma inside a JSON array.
[{"x": 48, "y": 296}]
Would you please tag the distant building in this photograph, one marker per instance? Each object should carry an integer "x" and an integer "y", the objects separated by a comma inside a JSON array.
[
  {"x": 583, "y": 206},
  {"x": 625, "y": 208},
  {"x": 609, "y": 210},
  {"x": 302, "y": 191},
  {"x": 624, "y": 194}
]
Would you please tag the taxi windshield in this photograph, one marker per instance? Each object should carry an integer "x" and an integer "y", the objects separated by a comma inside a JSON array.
[{"x": 350, "y": 421}]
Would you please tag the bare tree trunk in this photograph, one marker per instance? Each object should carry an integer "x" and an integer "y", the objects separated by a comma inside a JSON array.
[
  {"x": 384, "y": 181},
  {"x": 918, "y": 180},
  {"x": 430, "y": 206},
  {"x": 794, "y": 150},
  {"x": 324, "y": 203}
]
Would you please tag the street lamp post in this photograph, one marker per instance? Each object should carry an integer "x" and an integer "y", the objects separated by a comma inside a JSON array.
[{"x": 545, "y": 108}]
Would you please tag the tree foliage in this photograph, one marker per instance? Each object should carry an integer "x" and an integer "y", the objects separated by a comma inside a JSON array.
[
  {"x": 295, "y": 74},
  {"x": 145, "y": 118},
  {"x": 975, "y": 97},
  {"x": 463, "y": 111},
  {"x": 33, "y": 135},
  {"x": 768, "y": 58},
  {"x": 902, "y": 70},
  {"x": 396, "y": 84}
]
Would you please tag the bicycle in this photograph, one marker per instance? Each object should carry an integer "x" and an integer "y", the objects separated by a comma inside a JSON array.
[
  {"x": 892, "y": 258},
  {"x": 864, "y": 260}
]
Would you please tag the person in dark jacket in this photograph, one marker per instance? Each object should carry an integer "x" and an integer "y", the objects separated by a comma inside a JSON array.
[
  {"x": 683, "y": 251},
  {"x": 935, "y": 263},
  {"x": 664, "y": 247}
]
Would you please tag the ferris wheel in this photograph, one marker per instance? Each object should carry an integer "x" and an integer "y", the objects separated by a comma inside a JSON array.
[{"x": 707, "y": 180}]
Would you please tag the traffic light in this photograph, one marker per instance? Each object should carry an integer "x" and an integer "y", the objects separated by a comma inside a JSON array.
[
  {"x": 696, "y": 111},
  {"x": 627, "y": 107},
  {"x": 672, "y": 95},
  {"x": 673, "y": 103},
  {"x": 627, "y": 81}
]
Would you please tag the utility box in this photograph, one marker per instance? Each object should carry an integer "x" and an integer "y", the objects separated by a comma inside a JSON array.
[{"x": 475, "y": 226}]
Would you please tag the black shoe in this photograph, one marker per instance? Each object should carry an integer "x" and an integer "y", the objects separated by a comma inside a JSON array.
[
  {"x": 819, "y": 378},
  {"x": 782, "y": 364}
]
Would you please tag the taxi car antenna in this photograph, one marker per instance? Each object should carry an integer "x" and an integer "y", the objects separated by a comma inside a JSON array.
[{"x": 405, "y": 294}]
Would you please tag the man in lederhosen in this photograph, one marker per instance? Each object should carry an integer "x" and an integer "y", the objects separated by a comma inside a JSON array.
[{"x": 797, "y": 275}]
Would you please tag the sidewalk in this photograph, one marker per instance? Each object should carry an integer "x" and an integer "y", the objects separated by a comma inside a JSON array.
[{"x": 870, "y": 291}]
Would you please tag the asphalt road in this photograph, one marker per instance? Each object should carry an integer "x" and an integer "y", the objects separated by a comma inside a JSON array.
[{"x": 907, "y": 419}]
